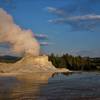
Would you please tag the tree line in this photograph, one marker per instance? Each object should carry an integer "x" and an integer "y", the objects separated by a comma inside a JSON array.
[{"x": 75, "y": 62}]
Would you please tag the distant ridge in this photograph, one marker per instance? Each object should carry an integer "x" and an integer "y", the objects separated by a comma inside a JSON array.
[{"x": 9, "y": 59}]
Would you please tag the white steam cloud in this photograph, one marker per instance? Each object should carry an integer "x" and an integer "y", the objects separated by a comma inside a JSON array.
[{"x": 21, "y": 41}]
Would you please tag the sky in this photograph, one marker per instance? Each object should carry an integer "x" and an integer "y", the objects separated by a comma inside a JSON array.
[{"x": 71, "y": 26}]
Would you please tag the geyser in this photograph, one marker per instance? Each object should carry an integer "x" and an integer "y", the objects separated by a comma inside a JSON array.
[{"x": 20, "y": 40}]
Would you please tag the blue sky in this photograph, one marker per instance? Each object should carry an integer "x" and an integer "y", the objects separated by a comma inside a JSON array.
[{"x": 72, "y": 26}]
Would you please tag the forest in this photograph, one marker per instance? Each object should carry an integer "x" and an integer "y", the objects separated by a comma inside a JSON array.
[{"x": 75, "y": 62}]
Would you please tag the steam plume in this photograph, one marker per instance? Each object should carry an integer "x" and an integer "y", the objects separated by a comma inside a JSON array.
[{"x": 21, "y": 41}]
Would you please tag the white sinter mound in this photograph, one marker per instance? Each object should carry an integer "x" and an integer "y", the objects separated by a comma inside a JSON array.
[{"x": 28, "y": 64}]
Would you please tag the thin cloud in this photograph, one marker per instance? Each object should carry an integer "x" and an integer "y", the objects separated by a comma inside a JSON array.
[
  {"x": 57, "y": 11},
  {"x": 41, "y": 36},
  {"x": 80, "y": 22},
  {"x": 80, "y": 15},
  {"x": 85, "y": 22},
  {"x": 45, "y": 43},
  {"x": 85, "y": 17},
  {"x": 76, "y": 18}
]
